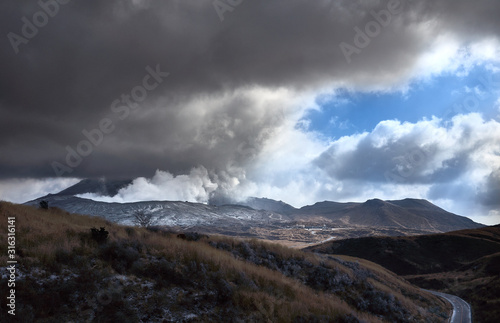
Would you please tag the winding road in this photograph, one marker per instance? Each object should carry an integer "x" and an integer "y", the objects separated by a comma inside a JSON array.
[{"x": 461, "y": 309}]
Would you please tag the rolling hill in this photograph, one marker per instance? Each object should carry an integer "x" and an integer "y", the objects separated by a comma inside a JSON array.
[
  {"x": 465, "y": 263},
  {"x": 405, "y": 214},
  {"x": 130, "y": 274}
]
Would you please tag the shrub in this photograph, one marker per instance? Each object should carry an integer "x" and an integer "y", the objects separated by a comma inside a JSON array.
[
  {"x": 100, "y": 236},
  {"x": 191, "y": 236},
  {"x": 44, "y": 205}
]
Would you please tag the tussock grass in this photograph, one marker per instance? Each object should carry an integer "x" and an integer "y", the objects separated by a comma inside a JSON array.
[{"x": 215, "y": 278}]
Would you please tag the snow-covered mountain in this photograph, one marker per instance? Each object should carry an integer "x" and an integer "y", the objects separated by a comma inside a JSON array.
[
  {"x": 407, "y": 214},
  {"x": 164, "y": 213}
]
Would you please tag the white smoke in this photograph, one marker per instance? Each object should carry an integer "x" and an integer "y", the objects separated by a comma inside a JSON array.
[
  {"x": 299, "y": 168},
  {"x": 164, "y": 186}
]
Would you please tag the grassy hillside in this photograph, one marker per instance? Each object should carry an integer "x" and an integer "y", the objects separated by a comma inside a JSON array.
[
  {"x": 422, "y": 254},
  {"x": 398, "y": 214},
  {"x": 140, "y": 275},
  {"x": 465, "y": 263}
]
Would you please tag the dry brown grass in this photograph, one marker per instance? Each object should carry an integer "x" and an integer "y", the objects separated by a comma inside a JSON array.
[
  {"x": 40, "y": 234},
  {"x": 43, "y": 234},
  {"x": 395, "y": 284}
]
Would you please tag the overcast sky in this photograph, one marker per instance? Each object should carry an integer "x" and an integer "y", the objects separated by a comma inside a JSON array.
[{"x": 295, "y": 100}]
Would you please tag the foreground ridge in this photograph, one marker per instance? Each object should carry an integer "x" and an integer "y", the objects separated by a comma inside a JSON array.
[{"x": 138, "y": 275}]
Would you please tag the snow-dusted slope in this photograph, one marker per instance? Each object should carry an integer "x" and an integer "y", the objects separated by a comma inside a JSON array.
[
  {"x": 167, "y": 213},
  {"x": 410, "y": 214}
]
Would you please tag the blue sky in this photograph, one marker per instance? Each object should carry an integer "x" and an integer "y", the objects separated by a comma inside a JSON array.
[
  {"x": 442, "y": 96},
  {"x": 264, "y": 102}
]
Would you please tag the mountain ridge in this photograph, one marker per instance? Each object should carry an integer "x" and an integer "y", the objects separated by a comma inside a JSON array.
[
  {"x": 134, "y": 274},
  {"x": 464, "y": 263},
  {"x": 99, "y": 186},
  {"x": 407, "y": 214}
]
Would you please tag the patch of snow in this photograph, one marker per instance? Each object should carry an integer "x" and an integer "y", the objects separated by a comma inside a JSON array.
[{"x": 328, "y": 239}]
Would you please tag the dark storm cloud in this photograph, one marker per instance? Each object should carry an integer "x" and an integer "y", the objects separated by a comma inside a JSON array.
[
  {"x": 407, "y": 159},
  {"x": 490, "y": 195},
  {"x": 64, "y": 79}
]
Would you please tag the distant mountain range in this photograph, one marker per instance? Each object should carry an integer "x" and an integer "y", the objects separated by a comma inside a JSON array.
[{"x": 407, "y": 214}]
